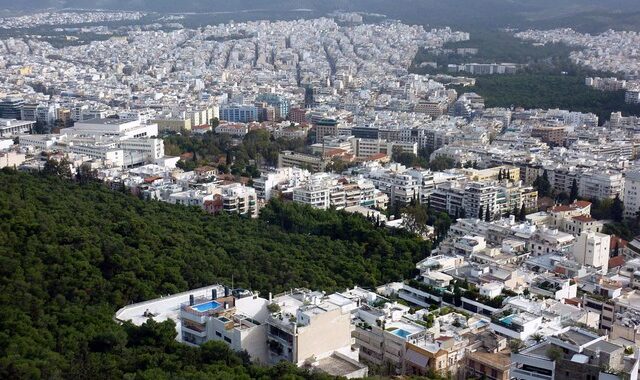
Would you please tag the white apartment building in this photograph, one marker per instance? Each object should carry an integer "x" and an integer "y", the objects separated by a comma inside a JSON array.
[
  {"x": 466, "y": 199},
  {"x": 309, "y": 327},
  {"x": 632, "y": 194},
  {"x": 400, "y": 184},
  {"x": 324, "y": 190},
  {"x": 592, "y": 249},
  {"x": 237, "y": 198},
  {"x": 268, "y": 182},
  {"x": 601, "y": 185}
]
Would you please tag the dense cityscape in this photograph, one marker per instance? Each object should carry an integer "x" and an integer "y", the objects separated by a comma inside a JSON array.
[{"x": 323, "y": 197}]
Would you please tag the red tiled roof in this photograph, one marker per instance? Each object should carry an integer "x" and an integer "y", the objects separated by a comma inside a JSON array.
[
  {"x": 582, "y": 204},
  {"x": 616, "y": 262},
  {"x": 583, "y": 218},
  {"x": 151, "y": 179}
]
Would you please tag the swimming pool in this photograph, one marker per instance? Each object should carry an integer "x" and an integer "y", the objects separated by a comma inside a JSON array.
[
  {"x": 507, "y": 320},
  {"x": 401, "y": 333},
  {"x": 206, "y": 306}
]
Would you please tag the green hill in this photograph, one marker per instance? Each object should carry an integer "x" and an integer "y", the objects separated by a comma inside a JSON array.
[{"x": 71, "y": 255}]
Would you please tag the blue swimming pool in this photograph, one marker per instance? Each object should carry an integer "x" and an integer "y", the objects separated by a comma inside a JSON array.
[
  {"x": 206, "y": 306},
  {"x": 508, "y": 320},
  {"x": 401, "y": 333}
]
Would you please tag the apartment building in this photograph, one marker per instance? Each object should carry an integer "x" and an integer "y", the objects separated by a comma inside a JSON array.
[
  {"x": 284, "y": 178},
  {"x": 553, "y": 135},
  {"x": 632, "y": 194},
  {"x": 223, "y": 316},
  {"x": 239, "y": 113},
  {"x": 287, "y": 159},
  {"x": 324, "y": 190},
  {"x": 572, "y": 354},
  {"x": 592, "y": 249},
  {"x": 306, "y": 327},
  {"x": 364, "y": 148},
  {"x": 240, "y": 199}
]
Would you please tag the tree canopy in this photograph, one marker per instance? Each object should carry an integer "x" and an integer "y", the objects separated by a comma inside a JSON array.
[{"x": 72, "y": 254}]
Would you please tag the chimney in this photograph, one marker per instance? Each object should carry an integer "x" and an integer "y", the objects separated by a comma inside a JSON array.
[
  {"x": 214, "y": 294},
  {"x": 191, "y": 300}
]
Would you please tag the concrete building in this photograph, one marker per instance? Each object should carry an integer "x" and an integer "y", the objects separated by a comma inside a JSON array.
[
  {"x": 287, "y": 159},
  {"x": 592, "y": 248},
  {"x": 631, "y": 194},
  {"x": 115, "y": 128},
  {"x": 10, "y": 127},
  {"x": 308, "y": 327},
  {"x": 239, "y": 113}
]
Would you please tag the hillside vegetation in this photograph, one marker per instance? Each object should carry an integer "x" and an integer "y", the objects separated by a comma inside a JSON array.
[{"x": 71, "y": 255}]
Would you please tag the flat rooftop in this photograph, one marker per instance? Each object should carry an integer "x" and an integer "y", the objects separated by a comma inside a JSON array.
[
  {"x": 337, "y": 366},
  {"x": 106, "y": 121},
  {"x": 163, "y": 308},
  {"x": 576, "y": 337}
]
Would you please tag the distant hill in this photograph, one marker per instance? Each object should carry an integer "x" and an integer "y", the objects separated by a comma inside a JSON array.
[{"x": 470, "y": 13}]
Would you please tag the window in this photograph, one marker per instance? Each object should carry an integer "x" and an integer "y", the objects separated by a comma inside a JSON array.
[{"x": 218, "y": 333}]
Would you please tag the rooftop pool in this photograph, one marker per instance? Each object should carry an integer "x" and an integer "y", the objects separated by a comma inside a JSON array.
[
  {"x": 401, "y": 333},
  {"x": 206, "y": 306},
  {"x": 508, "y": 320}
]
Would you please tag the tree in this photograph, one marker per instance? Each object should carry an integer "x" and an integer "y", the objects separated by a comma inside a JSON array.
[
  {"x": 537, "y": 337},
  {"x": 500, "y": 175},
  {"x": 573, "y": 195},
  {"x": 60, "y": 168},
  {"x": 555, "y": 353},
  {"x": 86, "y": 174},
  {"x": 481, "y": 212},
  {"x": 617, "y": 209},
  {"x": 487, "y": 216},
  {"x": 515, "y": 345},
  {"x": 523, "y": 213},
  {"x": 543, "y": 185}
]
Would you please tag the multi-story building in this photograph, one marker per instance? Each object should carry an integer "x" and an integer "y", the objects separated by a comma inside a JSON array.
[
  {"x": 223, "y": 316},
  {"x": 287, "y": 159},
  {"x": 10, "y": 108},
  {"x": 278, "y": 102},
  {"x": 364, "y": 148},
  {"x": 597, "y": 184},
  {"x": 308, "y": 326},
  {"x": 239, "y": 199},
  {"x": 10, "y": 127},
  {"x": 480, "y": 198},
  {"x": 268, "y": 182},
  {"x": 572, "y": 354},
  {"x": 233, "y": 129},
  {"x": 239, "y": 113},
  {"x": 554, "y": 135},
  {"x": 632, "y": 194},
  {"x": 592, "y": 249},
  {"x": 324, "y": 190}
]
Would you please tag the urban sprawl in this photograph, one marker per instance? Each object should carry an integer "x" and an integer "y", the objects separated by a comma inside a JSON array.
[{"x": 526, "y": 283}]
